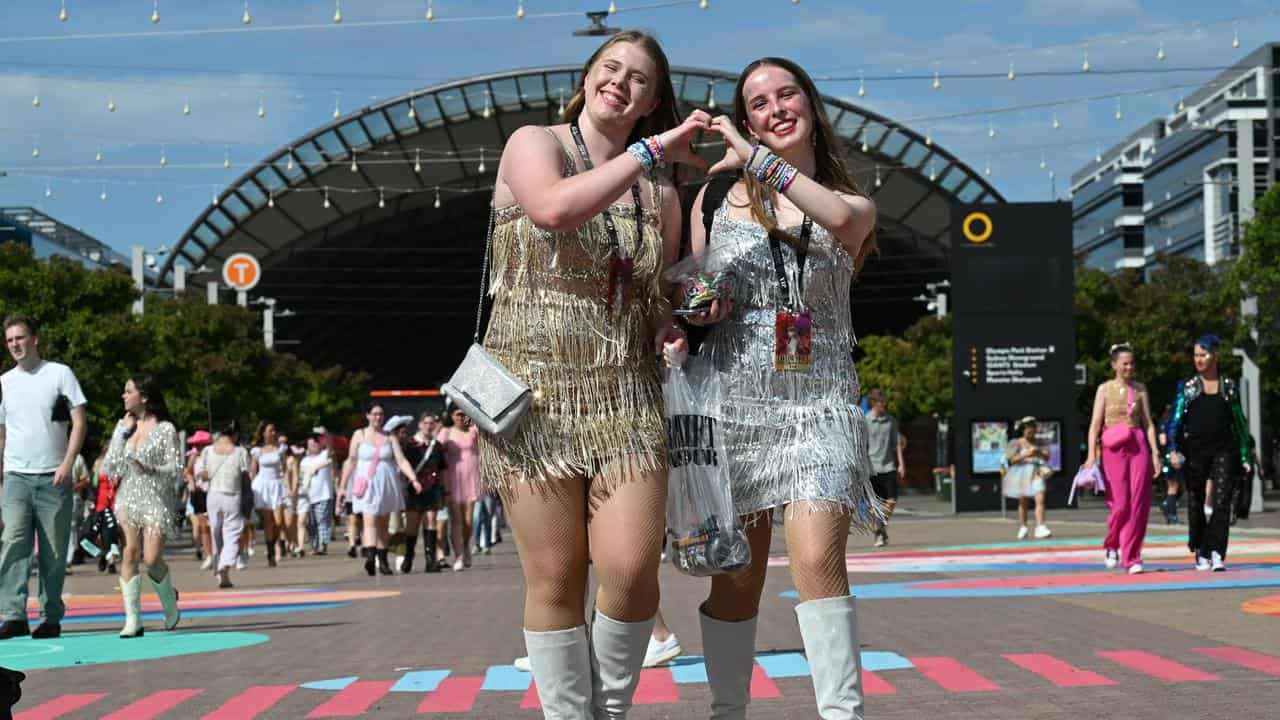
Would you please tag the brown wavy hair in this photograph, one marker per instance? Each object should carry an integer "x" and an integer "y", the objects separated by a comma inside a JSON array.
[
  {"x": 830, "y": 170},
  {"x": 664, "y": 117}
]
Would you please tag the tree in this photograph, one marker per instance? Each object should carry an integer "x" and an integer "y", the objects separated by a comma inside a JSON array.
[
  {"x": 914, "y": 370},
  {"x": 1257, "y": 273},
  {"x": 209, "y": 358}
]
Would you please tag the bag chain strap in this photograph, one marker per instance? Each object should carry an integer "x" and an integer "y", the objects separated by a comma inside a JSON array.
[{"x": 484, "y": 271}]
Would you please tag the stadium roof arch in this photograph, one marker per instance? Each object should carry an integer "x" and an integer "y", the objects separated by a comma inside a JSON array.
[{"x": 371, "y": 227}]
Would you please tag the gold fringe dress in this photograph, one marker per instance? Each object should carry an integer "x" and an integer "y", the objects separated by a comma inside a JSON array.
[{"x": 597, "y": 401}]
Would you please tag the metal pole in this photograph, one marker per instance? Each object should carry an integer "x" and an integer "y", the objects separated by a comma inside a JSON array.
[
  {"x": 179, "y": 280},
  {"x": 1251, "y": 394},
  {"x": 242, "y": 298},
  {"x": 940, "y": 303},
  {"x": 139, "y": 277},
  {"x": 211, "y": 292},
  {"x": 269, "y": 324}
]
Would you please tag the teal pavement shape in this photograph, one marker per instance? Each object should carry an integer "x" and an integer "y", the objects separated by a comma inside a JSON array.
[
  {"x": 420, "y": 681},
  {"x": 74, "y": 649},
  {"x": 334, "y": 684}
]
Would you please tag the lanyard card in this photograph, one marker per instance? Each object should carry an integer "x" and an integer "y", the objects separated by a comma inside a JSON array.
[
  {"x": 793, "y": 341},
  {"x": 621, "y": 270}
]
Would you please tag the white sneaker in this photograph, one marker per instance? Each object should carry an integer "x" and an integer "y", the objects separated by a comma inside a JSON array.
[
  {"x": 522, "y": 664},
  {"x": 1111, "y": 560},
  {"x": 1202, "y": 563},
  {"x": 1216, "y": 562},
  {"x": 458, "y": 565},
  {"x": 208, "y": 563},
  {"x": 251, "y": 551},
  {"x": 661, "y": 652},
  {"x": 1043, "y": 531},
  {"x": 1022, "y": 532},
  {"x": 1136, "y": 568},
  {"x": 882, "y": 537},
  {"x": 240, "y": 563}
]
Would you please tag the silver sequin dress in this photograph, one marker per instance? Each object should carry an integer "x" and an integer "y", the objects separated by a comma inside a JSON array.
[
  {"x": 794, "y": 439},
  {"x": 146, "y": 498}
]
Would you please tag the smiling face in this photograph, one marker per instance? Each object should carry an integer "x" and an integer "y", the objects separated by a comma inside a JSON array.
[
  {"x": 622, "y": 85},
  {"x": 376, "y": 416},
  {"x": 1123, "y": 365},
  {"x": 460, "y": 420},
  {"x": 778, "y": 113}
]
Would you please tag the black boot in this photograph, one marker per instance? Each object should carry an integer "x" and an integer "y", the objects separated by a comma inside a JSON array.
[
  {"x": 410, "y": 548},
  {"x": 271, "y": 554},
  {"x": 429, "y": 550},
  {"x": 369, "y": 561},
  {"x": 14, "y": 628},
  {"x": 383, "y": 566}
]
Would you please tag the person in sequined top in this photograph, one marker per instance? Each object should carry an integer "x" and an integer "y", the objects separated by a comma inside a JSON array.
[
  {"x": 146, "y": 455},
  {"x": 795, "y": 440}
]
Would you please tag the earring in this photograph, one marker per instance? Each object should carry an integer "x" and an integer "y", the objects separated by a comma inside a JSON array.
[{"x": 813, "y": 139}]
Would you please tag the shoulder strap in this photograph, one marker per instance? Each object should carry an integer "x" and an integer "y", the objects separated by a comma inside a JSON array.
[
  {"x": 484, "y": 273},
  {"x": 713, "y": 197}
]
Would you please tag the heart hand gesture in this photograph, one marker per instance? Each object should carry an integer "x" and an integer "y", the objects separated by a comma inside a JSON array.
[
  {"x": 737, "y": 151},
  {"x": 677, "y": 143}
]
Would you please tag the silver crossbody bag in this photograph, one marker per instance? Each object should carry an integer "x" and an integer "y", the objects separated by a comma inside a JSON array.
[{"x": 494, "y": 399}]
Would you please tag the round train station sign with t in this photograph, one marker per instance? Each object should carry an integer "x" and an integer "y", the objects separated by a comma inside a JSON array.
[
  {"x": 1013, "y": 352},
  {"x": 241, "y": 272}
]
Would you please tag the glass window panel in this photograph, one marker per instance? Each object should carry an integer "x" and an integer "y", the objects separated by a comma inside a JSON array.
[
  {"x": 206, "y": 235},
  {"x": 220, "y": 221},
  {"x": 253, "y": 194},
  {"x": 872, "y": 133},
  {"x": 330, "y": 144},
  {"x": 696, "y": 89},
  {"x": 847, "y": 125},
  {"x": 506, "y": 94},
  {"x": 952, "y": 179},
  {"x": 399, "y": 114},
  {"x": 428, "y": 111},
  {"x": 476, "y": 96},
  {"x": 533, "y": 88},
  {"x": 377, "y": 123},
  {"x": 270, "y": 180},
  {"x": 894, "y": 145},
  {"x": 236, "y": 207},
  {"x": 970, "y": 192},
  {"x": 354, "y": 135},
  {"x": 454, "y": 107},
  {"x": 561, "y": 84},
  {"x": 915, "y": 155},
  {"x": 309, "y": 157},
  {"x": 724, "y": 94}
]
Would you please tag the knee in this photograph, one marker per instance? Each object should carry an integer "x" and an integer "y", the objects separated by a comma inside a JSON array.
[
  {"x": 553, "y": 583},
  {"x": 132, "y": 553},
  {"x": 735, "y": 597}
]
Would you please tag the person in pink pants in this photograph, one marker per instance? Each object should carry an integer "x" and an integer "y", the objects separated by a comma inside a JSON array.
[{"x": 1121, "y": 426}]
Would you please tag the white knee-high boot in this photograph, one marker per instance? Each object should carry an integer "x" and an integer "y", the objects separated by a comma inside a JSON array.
[
  {"x": 617, "y": 652},
  {"x": 830, "y": 631},
  {"x": 168, "y": 599},
  {"x": 561, "y": 664},
  {"x": 729, "y": 651},
  {"x": 132, "y": 592}
]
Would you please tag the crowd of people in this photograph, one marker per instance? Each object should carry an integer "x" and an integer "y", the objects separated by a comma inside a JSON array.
[{"x": 586, "y": 221}]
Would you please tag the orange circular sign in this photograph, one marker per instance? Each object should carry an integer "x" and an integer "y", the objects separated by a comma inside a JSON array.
[{"x": 242, "y": 272}]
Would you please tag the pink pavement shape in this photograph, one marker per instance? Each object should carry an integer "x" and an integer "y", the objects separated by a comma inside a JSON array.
[
  {"x": 1071, "y": 580},
  {"x": 1156, "y": 666},
  {"x": 60, "y": 706},
  {"x": 352, "y": 700},
  {"x": 1244, "y": 658},
  {"x": 251, "y": 703},
  {"x": 656, "y": 687},
  {"x": 531, "y": 701},
  {"x": 453, "y": 695},
  {"x": 873, "y": 684},
  {"x": 952, "y": 675},
  {"x": 152, "y": 705},
  {"x": 763, "y": 686},
  {"x": 1058, "y": 672}
]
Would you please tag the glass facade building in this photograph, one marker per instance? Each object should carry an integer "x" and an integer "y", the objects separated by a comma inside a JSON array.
[{"x": 1183, "y": 184}]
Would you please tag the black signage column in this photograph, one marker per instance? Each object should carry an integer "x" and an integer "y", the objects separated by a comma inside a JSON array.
[{"x": 1013, "y": 343}]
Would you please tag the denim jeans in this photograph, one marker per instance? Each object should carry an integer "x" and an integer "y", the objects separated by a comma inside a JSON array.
[
  {"x": 320, "y": 523},
  {"x": 483, "y": 513},
  {"x": 34, "y": 510}
]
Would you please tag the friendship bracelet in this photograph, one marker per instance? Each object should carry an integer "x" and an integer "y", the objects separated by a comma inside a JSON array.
[
  {"x": 654, "y": 145},
  {"x": 770, "y": 169},
  {"x": 640, "y": 151}
]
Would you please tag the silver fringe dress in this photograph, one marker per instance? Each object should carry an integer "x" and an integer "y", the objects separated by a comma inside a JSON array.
[
  {"x": 794, "y": 439},
  {"x": 146, "y": 498}
]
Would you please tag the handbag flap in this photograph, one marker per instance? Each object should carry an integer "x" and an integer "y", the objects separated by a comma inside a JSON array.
[{"x": 486, "y": 383}]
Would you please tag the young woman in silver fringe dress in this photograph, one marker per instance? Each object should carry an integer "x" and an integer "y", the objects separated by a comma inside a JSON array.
[
  {"x": 146, "y": 454},
  {"x": 794, "y": 231}
]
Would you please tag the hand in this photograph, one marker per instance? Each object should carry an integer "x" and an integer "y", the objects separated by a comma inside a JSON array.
[
  {"x": 718, "y": 311},
  {"x": 902, "y": 473},
  {"x": 677, "y": 143},
  {"x": 1248, "y": 469},
  {"x": 1155, "y": 465},
  {"x": 672, "y": 343},
  {"x": 62, "y": 474},
  {"x": 1091, "y": 461},
  {"x": 1175, "y": 460},
  {"x": 736, "y": 148},
  {"x": 417, "y": 487}
]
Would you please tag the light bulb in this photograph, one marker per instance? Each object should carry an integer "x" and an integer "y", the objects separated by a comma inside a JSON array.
[
  {"x": 703, "y": 4},
  {"x": 1181, "y": 106},
  {"x": 1084, "y": 66},
  {"x": 928, "y": 139},
  {"x": 289, "y": 164},
  {"x": 878, "y": 181},
  {"x": 862, "y": 85},
  {"x": 35, "y": 101},
  {"x": 1012, "y": 75},
  {"x": 337, "y": 110},
  {"x": 326, "y": 198},
  {"x": 933, "y": 172},
  {"x": 48, "y": 190},
  {"x": 991, "y": 130},
  {"x": 488, "y": 107},
  {"x": 247, "y": 19},
  {"x": 986, "y": 170},
  {"x": 159, "y": 198},
  {"x": 436, "y": 204},
  {"x": 214, "y": 200},
  {"x": 1235, "y": 38},
  {"x": 613, "y": 7},
  {"x": 163, "y": 160},
  {"x": 111, "y": 105},
  {"x": 431, "y": 12},
  {"x": 271, "y": 201},
  {"x": 103, "y": 196},
  {"x": 480, "y": 167},
  {"x": 337, "y": 18},
  {"x": 1160, "y": 52},
  {"x": 155, "y": 12},
  {"x": 417, "y": 160},
  {"x": 62, "y": 14},
  {"x": 354, "y": 166},
  {"x": 937, "y": 81},
  {"x": 1042, "y": 162},
  {"x": 1119, "y": 113},
  {"x": 262, "y": 107},
  {"x": 520, "y": 10},
  {"x": 186, "y": 106},
  {"x": 35, "y": 151},
  {"x": 711, "y": 96},
  {"x": 98, "y": 156},
  {"x": 382, "y": 200},
  {"x": 1056, "y": 124},
  {"x": 413, "y": 112},
  {"x": 865, "y": 147},
  {"x": 560, "y": 112}
]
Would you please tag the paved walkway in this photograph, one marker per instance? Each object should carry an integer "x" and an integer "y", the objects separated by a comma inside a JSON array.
[{"x": 958, "y": 620}]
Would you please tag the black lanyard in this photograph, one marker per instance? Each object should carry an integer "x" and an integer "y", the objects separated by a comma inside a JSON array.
[
  {"x": 802, "y": 253},
  {"x": 614, "y": 247}
]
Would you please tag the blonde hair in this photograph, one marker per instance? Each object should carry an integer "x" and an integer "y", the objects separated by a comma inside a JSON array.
[{"x": 664, "y": 116}]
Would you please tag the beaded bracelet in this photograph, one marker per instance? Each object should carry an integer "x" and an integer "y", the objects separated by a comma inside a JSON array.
[
  {"x": 770, "y": 169},
  {"x": 654, "y": 145},
  {"x": 640, "y": 151}
]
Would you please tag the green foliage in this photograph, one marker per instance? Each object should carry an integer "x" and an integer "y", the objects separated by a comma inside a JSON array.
[
  {"x": 1257, "y": 273},
  {"x": 209, "y": 358},
  {"x": 914, "y": 370}
]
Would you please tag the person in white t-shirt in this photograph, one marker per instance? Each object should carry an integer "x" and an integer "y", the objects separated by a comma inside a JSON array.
[{"x": 39, "y": 402}]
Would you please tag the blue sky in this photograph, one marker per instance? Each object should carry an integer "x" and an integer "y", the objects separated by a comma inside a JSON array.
[{"x": 109, "y": 51}]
